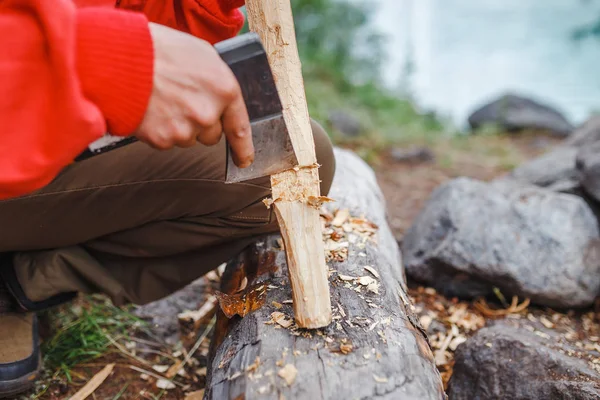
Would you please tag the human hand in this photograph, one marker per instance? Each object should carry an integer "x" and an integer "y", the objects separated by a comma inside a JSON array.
[{"x": 195, "y": 97}]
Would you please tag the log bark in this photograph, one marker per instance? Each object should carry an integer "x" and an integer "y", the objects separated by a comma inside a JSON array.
[
  {"x": 295, "y": 190},
  {"x": 374, "y": 349}
]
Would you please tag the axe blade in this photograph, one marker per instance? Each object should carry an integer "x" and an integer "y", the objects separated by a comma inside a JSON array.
[
  {"x": 273, "y": 147},
  {"x": 273, "y": 151}
]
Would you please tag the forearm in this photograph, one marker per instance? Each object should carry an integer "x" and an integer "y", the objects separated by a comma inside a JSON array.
[{"x": 63, "y": 87}]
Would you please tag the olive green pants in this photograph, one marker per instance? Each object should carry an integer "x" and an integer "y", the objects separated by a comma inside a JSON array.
[{"x": 137, "y": 224}]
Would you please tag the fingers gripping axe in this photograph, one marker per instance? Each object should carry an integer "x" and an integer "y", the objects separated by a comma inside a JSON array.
[{"x": 274, "y": 152}]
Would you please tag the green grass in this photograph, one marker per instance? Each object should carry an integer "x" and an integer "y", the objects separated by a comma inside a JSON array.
[{"x": 84, "y": 333}]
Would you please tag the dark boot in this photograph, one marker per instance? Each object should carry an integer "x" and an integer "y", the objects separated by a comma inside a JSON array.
[
  {"x": 20, "y": 358},
  {"x": 19, "y": 344}
]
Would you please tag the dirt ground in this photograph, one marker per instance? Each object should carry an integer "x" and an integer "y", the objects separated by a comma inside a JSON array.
[
  {"x": 407, "y": 186},
  {"x": 139, "y": 363}
]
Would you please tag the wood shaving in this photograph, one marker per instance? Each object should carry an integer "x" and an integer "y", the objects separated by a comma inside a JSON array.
[
  {"x": 372, "y": 271},
  {"x": 197, "y": 395},
  {"x": 175, "y": 369},
  {"x": 366, "y": 280},
  {"x": 165, "y": 384},
  {"x": 281, "y": 319},
  {"x": 379, "y": 379},
  {"x": 254, "y": 366},
  {"x": 276, "y": 304},
  {"x": 317, "y": 202},
  {"x": 160, "y": 368},
  {"x": 346, "y": 278},
  {"x": 288, "y": 374},
  {"x": 373, "y": 287},
  {"x": 547, "y": 323},
  {"x": 341, "y": 216},
  {"x": 269, "y": 203},
  {"x": 346, "y": 348},
  {"x": 93, "y": 383}
]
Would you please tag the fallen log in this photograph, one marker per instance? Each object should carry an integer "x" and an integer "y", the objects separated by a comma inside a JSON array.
[{"x": 373, "y": 349}]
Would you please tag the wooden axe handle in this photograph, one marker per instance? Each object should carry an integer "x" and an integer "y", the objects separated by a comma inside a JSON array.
[{"x": 295, "y": 192}]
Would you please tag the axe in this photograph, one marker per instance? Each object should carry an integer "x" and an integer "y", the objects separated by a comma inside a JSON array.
[{"x": 273, "y": 148}]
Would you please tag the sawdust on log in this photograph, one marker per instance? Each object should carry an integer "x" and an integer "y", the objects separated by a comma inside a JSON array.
[{"x": 288, "y": 374}]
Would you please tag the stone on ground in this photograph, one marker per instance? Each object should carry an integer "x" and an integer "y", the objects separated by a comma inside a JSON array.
[
  {"x": 515, "y": 113},
  {"x": 554, "y": 170},
  {"x": 509, "y": 361},
  {"x": 588, "y": 168},
  {"x": 472, "y": 237}
]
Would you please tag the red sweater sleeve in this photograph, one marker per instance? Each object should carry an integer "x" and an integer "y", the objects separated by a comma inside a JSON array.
[
  {"x": 66, "y": 76},
  {"x": 211, "y": 20}
]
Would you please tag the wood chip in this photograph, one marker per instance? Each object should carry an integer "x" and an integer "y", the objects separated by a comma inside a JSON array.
[
  {"x": 281, "y": 319},
  {"x": 341, "y": 216},
  {"x": 93, "y": 383},
  {"x": 346, "y": 348},
  {"x": 373, "y": 287},
  {"x": 254, "y": 366},
  {"x": 263, "y": 389},
  {"x": 276, "y": 305},
  {"x": 366, "y": 280},
  {"x": 165, "y": 384},
  {"x": 174, "y": 369},
  {"x": 346, "y": 278},
  {"x": 547, "y": 323},
  {"x": 425, "y": 321},
  {"x": 212, "y": 276},
  {"x": 379, "y": 379},
  {"x": 288, "y": 374},
  {"x": 197, "y": 395},
  {"x": 456, "y": 342},
  {"x": 160, "y": 368},
  {"x": 372, "y": 271}
]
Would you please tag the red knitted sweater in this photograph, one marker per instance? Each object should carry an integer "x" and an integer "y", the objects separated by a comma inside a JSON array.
[{"x": 70, "y": 70}]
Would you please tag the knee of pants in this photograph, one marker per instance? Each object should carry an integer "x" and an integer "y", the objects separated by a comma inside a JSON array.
[{"x": 325, "y": 156}]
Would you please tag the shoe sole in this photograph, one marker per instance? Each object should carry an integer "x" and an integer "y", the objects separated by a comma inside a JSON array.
[{"x": 8, "y": 389}]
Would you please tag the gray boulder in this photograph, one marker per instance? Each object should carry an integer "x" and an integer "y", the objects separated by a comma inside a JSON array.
[
  {"x": 586, "y": 134},
  {"x": 506, "y": 362},
  {"x": 570, "y": 168},
  {"x": 588, "y": 168},
  {"x": 554, "y": 170},
  {"x": 527, "y": 241},
  {"x": 515, "y": 113}
]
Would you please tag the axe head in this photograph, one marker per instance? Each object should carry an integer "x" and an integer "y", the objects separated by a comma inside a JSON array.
[{"x": 273, "y": 147}]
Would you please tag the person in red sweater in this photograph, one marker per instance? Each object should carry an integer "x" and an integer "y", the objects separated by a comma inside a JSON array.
[{"x": 139, "y": 222}]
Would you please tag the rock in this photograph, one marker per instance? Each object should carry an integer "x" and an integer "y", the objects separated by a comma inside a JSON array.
[
  {"x": 527, "y": 241},
  {"x": 412, "y": 154},
  {"x": 511, "y": 362},
  {"x": 516, "y": 113},
  {"x": 588, "y": 168},
  {"x": 345, "y": 123},
  {"x": 555, "y": 167},
  {"x": 586, "y": 134},
  {"x": 162, "y": 314}
]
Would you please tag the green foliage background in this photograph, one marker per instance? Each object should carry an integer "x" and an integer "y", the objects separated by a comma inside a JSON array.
[{"x": 342, "y": 56}]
